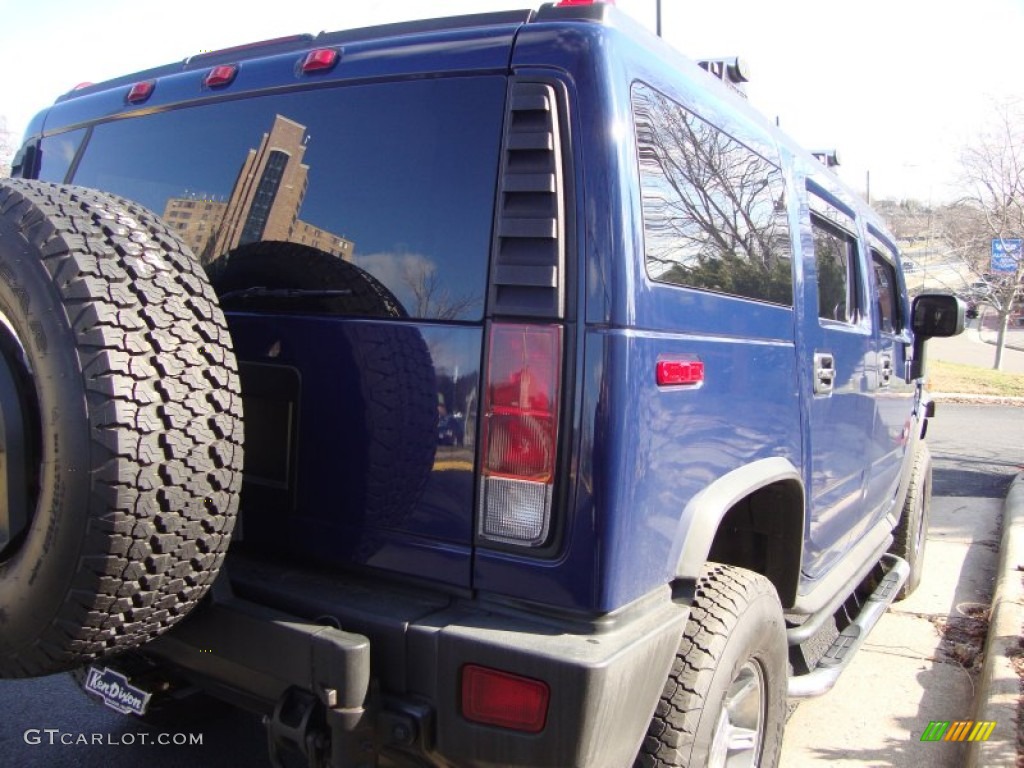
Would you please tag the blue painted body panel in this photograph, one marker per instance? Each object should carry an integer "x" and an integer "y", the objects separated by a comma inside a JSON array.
[{"x": 635, "y": 454}]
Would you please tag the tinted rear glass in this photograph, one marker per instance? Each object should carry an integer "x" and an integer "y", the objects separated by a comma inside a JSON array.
[
  {"x": 58, "y": 153},
  {"x": 397, "y": 179}
]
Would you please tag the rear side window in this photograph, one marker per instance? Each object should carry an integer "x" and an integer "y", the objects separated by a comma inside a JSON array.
[
  {"x": 835, "y": 256},
  {"x": 714, "y": 210},
  {"x": 383, "y": 192},
  {"x": 887, "y": 297},
  {"x": 57, "y": 154}
]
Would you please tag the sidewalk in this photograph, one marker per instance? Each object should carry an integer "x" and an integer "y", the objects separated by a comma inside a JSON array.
[
  {"x": 999, "y": 688},
  {"x": 910, "y": 672}
]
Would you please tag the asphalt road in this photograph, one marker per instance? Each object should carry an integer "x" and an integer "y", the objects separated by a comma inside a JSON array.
[{"x": 50, "y": 722}]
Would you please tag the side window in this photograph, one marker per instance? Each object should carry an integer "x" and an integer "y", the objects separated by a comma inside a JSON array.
[
  {"x": 835, "y": 255},
  {"x": 714, "y": 210},
  {"x": 58, "y": 153},
  {"x": 888, "y": 294}
]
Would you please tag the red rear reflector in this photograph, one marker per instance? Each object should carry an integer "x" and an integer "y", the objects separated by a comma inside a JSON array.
[
  {"x": 320, "y": 60},
  {"x": 508, "y": 701},
  {"x": 220, "y": 76},
  {"x": 680, "y": 372},
  {"x": 141, "y": 91}
]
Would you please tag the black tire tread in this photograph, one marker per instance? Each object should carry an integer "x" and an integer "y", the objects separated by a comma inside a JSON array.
[
  {"x": 722, "y": 593},
  {"x": 164, "y": 407},
  {"x": 914, "y": 515}
]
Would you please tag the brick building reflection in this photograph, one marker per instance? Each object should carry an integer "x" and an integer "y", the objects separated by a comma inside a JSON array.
[{"x": 264, "y": 203}]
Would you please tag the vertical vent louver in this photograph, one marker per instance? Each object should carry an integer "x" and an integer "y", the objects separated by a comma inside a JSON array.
[{"x": 528, "y": 259}]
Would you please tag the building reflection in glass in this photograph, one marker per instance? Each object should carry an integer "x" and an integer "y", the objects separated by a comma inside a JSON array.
[{"x": 264, "y": 203}]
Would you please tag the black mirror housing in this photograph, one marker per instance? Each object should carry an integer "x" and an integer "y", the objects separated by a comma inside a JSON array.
[
  {"x": 934, "y": 315},
  {"x": 937, "y": 315}
]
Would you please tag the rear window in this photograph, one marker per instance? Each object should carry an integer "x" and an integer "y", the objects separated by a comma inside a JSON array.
[{"x": 394, "y": 179}]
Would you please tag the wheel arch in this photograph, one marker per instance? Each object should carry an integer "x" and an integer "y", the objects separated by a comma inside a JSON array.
[{"x": 751, "y": 517}]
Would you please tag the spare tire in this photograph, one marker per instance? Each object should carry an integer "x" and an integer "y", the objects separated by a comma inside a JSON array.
[{"x": 122, "y": 472}]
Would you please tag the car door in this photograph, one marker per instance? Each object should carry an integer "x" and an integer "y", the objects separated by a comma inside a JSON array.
[
  {"x": 894, "y": 399},
  {"x": 840, "y": 348}
]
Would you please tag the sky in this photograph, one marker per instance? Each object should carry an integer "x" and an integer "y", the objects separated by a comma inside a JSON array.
[{"x": 897, "y": 86}]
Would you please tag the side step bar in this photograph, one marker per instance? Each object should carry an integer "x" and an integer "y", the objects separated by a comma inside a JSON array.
[{"x": 821, "y": 679}]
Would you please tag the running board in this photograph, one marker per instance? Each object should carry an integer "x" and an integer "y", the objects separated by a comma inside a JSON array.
[{"x": 821, "y": 679}]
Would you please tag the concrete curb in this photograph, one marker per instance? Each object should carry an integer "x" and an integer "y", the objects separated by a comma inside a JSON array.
[
  {"x": 998, "y": 694},
  {"x": 957, "y": 397}
]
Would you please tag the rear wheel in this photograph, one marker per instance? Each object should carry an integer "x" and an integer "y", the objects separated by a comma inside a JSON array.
[
  {"x": 122, "y": 428},
  {"x": 725, "y": 699}
]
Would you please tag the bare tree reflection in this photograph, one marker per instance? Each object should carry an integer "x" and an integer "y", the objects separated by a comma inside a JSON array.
[
  {"x": 714, "y": 210},
  {"x": 432, "y": 298}
]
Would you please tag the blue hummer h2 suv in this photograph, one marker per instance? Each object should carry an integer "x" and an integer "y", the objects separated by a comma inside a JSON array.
[{"x": 582, "y": 410}]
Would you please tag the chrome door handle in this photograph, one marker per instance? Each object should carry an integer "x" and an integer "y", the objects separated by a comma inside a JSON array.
[
  {"x": 886, "y": 370},
  {"x": 824, "y": 373}
]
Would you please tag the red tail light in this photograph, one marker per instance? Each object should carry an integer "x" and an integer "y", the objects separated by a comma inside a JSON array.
[
  {"x": 499, "y": 698},
  {"x": 520, "y": 432}
]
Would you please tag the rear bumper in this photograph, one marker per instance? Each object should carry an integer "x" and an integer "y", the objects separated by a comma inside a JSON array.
[{"x": 392, "y": 676}]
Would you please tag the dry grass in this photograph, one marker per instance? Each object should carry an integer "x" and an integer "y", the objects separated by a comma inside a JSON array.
[{"x": 970, "y": 380}]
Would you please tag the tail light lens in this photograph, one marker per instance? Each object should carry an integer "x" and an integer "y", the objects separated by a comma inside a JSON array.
[{"x": 520, "y": 433}]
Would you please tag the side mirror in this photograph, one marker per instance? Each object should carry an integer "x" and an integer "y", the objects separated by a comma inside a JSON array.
[
  {"x": 934, "y": 315},
  {"x": 937, "y": 315}
]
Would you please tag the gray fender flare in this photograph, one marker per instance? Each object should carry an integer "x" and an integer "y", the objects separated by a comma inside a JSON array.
[{"x": 704, "y": 513}]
